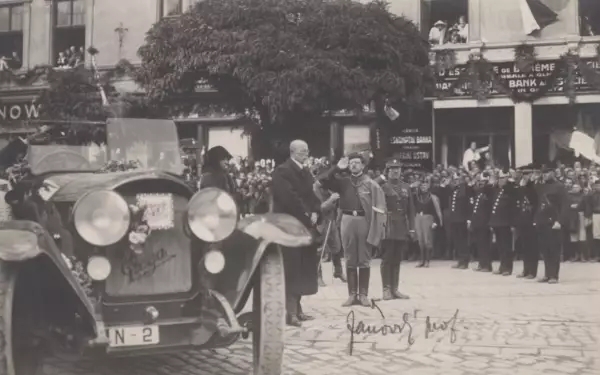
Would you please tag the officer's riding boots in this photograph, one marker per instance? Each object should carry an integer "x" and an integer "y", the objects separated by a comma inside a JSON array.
[
  {"x": 352, "y": 287},
  {"x": 338, "y": 271},
  {"x": 386, "y": 281},
  {"x": 395, "y": 280},
  {"x": 364, "y": 277}
]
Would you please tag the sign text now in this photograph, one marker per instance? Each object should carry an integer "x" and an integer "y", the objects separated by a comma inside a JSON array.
[{"x": 21, "y": 111}]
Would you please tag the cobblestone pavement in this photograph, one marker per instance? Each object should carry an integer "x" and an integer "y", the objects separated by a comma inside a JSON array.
[{"x": 502, "y": 325}]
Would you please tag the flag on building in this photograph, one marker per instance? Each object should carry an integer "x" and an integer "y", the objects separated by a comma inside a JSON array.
[{"x": 536, "y": 15}]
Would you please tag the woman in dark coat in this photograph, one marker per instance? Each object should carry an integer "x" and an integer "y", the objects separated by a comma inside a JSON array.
[{"x": 215, "y": 173}]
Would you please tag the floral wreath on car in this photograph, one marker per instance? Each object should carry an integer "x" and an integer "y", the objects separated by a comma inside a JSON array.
[
  {"x": 139, "y": 229},
  {"x": 479, "y": 77}
]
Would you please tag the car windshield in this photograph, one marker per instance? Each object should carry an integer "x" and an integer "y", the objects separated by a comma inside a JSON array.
[{"x": 152, "y": 143}]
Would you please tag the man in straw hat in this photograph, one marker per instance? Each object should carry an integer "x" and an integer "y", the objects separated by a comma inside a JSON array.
[
  {"x": 437, "y": 34},
  {"x": 362, "y": 204}
]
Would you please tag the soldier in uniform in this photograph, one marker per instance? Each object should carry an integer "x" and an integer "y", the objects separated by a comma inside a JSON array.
[
  {"x": 525, "y": 231},
  {"x": 458, "y": 211},
  {"x": 478, "y": 224},
  {"x": 502, "y": 221},
  {"x": 551, "y": 215},
  {"x": 399, "y": 228},
  {"x": 362, "y": 204}
]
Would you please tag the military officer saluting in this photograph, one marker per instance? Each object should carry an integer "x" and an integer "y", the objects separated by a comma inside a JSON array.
[
  {"x": 502, "y": 221},
  {"x": 525, "y": 231},
  {"x": 479, "y": 225},
  {"x": 399, "y": 228}
]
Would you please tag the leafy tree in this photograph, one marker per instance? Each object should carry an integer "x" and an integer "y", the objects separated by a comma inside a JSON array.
[
  {"x": 280, "y": 60},
  {"x": 71, "y": 98}
]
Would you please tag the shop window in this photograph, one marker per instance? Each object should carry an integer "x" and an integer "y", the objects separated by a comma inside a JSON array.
[
  {"x": 589, "y": 18},
  {"x": 69, "y": 33},
  {"x": 11, "y": 37},
  {"x": 445, "y": 22},
  {"x": 170, "y": 8}
]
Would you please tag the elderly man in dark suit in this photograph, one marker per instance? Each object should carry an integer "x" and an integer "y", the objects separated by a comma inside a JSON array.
[{"x": 293, "y": 194}]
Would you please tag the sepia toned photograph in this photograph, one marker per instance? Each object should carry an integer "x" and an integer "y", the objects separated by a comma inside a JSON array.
[{"x": 299, "y": 187}]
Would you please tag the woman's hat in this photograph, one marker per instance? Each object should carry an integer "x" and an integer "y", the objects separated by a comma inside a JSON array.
[
  {"x": 218, "y": 153},
  {"x": 440, "y": 22}
]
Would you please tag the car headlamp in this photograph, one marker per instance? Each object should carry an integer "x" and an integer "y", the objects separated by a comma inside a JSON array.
[
  {"x": 98, "y": 268},
  {"x": 102, "y": 218},
  {"x": 214, "y": 261},
  {"x": 212, "y": 215}
]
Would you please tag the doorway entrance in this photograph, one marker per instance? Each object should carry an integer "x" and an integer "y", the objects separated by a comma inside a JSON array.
[{"x": 457, "y": 128}]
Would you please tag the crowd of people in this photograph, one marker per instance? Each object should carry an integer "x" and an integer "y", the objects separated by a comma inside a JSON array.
[
  {"x": 70, "y": 58},
  {"x": 470, "y": 214},
  {"x": 457, "y": 33}
]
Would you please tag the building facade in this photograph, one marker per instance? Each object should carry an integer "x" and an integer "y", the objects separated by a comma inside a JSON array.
[
  {"x": 46, "y": 32},
  {"x": 518, "y": 131},
  {"x": 42, "y": 32}
]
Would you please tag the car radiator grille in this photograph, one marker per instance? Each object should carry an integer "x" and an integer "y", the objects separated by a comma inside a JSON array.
[{"x": 165, "y": 266}]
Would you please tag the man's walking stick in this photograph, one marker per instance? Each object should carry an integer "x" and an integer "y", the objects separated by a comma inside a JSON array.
[{"x": 324, "y": 244}]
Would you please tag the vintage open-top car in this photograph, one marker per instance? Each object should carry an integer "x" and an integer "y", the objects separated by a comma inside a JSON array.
[{"x": 110, "y": 253}]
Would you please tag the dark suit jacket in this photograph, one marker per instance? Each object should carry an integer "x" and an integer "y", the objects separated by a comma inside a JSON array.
[
  {"x": 293, "y": 192},
  {"x": 293, "y": 195}
]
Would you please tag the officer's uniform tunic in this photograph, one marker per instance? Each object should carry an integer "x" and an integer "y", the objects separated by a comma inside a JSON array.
[
  {"x": 480, "y": 229},
  {"x": 552, "y": 207},
  {"x": 501, "y": 222},
  {"x": 525, "y": 231},
  {"x": 457, "y": 219}
]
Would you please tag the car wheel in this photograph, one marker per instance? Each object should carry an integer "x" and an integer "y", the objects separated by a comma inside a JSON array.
[
  {"x": 16, "y": 358},
  {"x": 268, "y": 308}
]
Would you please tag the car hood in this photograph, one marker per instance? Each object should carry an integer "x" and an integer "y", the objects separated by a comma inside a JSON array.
[{"x": 71, "y": 186}]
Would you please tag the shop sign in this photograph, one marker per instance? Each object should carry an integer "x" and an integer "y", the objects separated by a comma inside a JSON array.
[
  {"x": 414, "y": 147},
  {"x": 19, "y": 111},
  {"x": 525, "y": 83}
]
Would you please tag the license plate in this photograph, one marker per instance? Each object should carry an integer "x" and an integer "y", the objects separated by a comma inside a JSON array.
[
  {"x": 132, "y": 336},
  {"x": 159, "y": 213}
]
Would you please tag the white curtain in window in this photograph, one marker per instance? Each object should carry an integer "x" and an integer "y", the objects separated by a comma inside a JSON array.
[
  {"x": 232, "y": 139},
  {"x": 356, "y": 138}
]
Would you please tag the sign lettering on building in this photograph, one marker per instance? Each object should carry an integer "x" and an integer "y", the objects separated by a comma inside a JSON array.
[
  {"x": 414, "y": 147},
  {"x": 526, "y": 83},
  {"x": 20, "y": 111}
]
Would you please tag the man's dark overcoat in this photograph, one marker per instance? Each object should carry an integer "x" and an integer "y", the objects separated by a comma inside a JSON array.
[{"x": 293, "y": 195}]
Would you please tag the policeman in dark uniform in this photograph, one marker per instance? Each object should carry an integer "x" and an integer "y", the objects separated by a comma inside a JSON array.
[
  {"x": 551, "y": 215},
  {"x": 478, "y": 224},
  {"x": 459, "y": 212},
  {"x": 525, "y": 231},
  {"x": 502, "y": 221},
  {"x": 399, "y": 228}
]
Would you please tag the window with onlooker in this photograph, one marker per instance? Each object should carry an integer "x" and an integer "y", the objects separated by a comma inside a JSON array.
[
  {"x": 69, "y": 33},
  {"x": 445, "y": 22},
  {"x": 171, "y": 7},
  {"x": 11, "y": 37},
  {"x": 589, "y": 17}
]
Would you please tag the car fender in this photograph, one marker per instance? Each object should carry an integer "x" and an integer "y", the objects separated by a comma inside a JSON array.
[
  {"x": 22, "y": 240},
  {"x": 244, "y": 249}
]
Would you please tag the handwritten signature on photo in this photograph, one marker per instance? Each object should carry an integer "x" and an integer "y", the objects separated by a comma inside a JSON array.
[{"x": 361, "y": 328}]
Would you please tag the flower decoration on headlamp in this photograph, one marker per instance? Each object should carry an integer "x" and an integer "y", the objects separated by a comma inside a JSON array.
[{"x": 140, "y": 230}]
